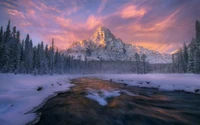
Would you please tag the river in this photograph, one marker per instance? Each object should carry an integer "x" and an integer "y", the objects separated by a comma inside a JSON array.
[{"x": 93, "y": 101}]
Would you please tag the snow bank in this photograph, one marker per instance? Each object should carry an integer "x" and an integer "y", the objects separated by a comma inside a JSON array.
[
  {"x": 101, "y": 96},
  {"x": 164, "y": 82},
  {"x": 19, "y": 94}
]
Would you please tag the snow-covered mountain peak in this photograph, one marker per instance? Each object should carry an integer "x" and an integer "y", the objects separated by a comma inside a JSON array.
[
  {"x": 103, "y": 30},
  {"x": 102, "y": 35},
  {"x": 103, "y": 45}
]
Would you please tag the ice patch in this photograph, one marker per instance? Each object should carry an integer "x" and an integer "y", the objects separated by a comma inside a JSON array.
[{"x": 101, "y": 96}]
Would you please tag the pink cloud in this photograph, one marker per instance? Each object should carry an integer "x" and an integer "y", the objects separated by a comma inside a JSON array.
[
  {"x": 15, "y": 13},
  {"x": 25, "y": 24},
  {"x": 130, "y": 21},
  {"x": 62, "y": 21},
  {"x": 131, "y": 11},
  {"x": 93, "y": 22}
]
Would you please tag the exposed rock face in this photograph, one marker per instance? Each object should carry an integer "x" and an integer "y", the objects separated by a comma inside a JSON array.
[{"x": 103, "y": 45}]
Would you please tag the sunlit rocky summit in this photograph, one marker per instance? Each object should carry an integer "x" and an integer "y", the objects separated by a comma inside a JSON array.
[{"x": 103, "y": 45}]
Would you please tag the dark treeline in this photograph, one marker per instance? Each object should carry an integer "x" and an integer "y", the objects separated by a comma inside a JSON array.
[
  {"x": 187, "y": 58},
  {"x": 20, "y": 56}
]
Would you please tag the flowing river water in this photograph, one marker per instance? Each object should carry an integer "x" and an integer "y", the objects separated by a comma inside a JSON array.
[{"x": 120, "y": 105}]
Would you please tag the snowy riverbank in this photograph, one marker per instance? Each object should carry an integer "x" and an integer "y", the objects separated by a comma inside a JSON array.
[
  {"x": 163, "y": 82},
  {"x": 20, "y": 93}
]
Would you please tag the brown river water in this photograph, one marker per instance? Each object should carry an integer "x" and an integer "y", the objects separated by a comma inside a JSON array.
[{"x": 129, "y": 106}]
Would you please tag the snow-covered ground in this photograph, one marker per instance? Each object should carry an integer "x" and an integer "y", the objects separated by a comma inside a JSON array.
[
  {"x": 19, "y": 94},
  {"x": 164, "y": 82}
]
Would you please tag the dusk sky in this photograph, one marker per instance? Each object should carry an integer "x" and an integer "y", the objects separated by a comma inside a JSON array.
[{"x": 161, "y": 25}]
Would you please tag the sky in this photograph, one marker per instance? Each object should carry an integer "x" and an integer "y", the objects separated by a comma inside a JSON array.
[{"x": 161, "y": 25}]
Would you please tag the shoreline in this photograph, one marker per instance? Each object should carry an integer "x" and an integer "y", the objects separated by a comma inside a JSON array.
[{"x": 34, "y": 110}]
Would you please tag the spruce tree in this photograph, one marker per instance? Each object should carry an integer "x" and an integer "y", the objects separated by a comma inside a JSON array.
[
  {"x": 30, "y": 53},
  {"x": 18, "y": 53},
  {"x": 173, "y": 64},
  {"x": 42, "y": 58},
  {"x": 35, "y": 61},
  {"x": 143, "y": 59},
  {"x": 191, "y": 59},
  {"x": 6, "y": 48},
  {"x": 180, "y": 61},
  {"x": 56, "y": 61},
  {"x": 7, "y": 33},
  {"x": 137, "y": 62},
  {"x": 197, "y": 26},
  {"x": 26, "y": 54},
  {"x": 1, "y": 48},
  {"x": 47, "y": 62},
  {"x": 185, "y": 56},
  {"x": 197, "y": 52},
  {"x": 11, "y": 44},
  {"x": 22, "y": 57},
  {"x": 52, "y": 58}
]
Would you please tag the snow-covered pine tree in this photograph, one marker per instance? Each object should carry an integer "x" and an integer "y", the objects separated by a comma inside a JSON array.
[
  {"x": 38, "y": 56},
  {"x": 42, "y": 59},
  {"x": 30, "y": 56},
  {"x": 144, "y": 66},
  {"x": 26, "y": 54},
  {"x": 173, "y": 63},
  {"x": 46, "y": 51},
  {"x": 185, "y": 57},
  {"x": 52, "y": 57},
  {"x": 197, "y": 33},
  {"x": 180, "y": 61},
  {"x": 197, "y": 61},
  {"x": 17, "y": 51},
  {"x": 7, "y": 33},
  {"x": 62, "y": 59},
  {"x": 35, "y": 61},
  {"x": 191, "y": 53},
  {"x": 1, "y": 47},
  {"x": 197, "y": 52},
  {"x": 6, "y": 48},
  {"x": 56, "y": 61},
  {"x": 22, "y": 57},
  {"x": 11, "y": 44},
  {"x": 137, "y": 62}
]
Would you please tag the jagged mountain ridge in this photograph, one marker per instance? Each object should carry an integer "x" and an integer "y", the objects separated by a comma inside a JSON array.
[{"x": 103, "y": 45}]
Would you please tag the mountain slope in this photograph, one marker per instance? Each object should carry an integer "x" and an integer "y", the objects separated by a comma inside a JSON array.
[{"x": 104, "y": 46}]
